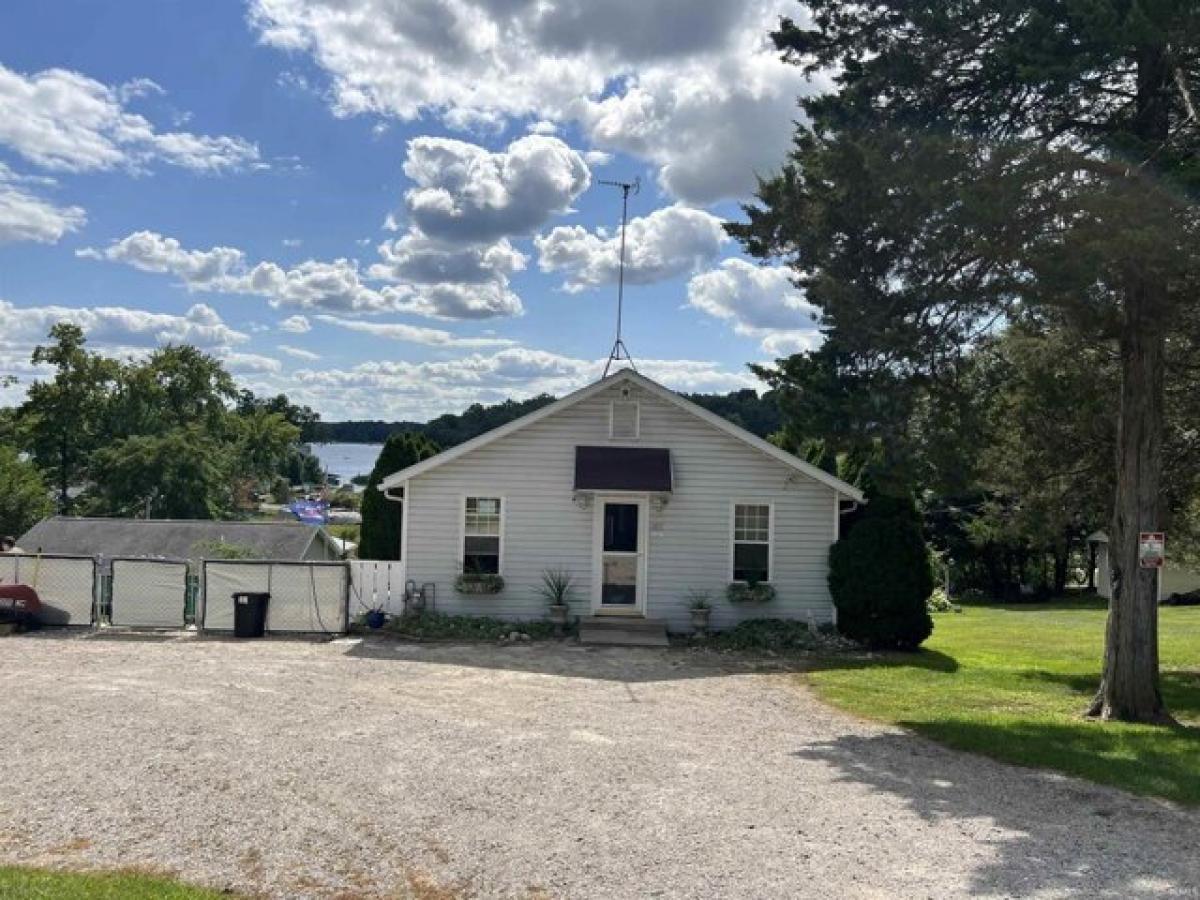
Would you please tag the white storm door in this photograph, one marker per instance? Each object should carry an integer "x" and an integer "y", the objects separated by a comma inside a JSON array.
[{"x": 620, "y": 553}]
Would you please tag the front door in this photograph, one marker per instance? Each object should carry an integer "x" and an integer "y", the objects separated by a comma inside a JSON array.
[{"x": 620, "y": 536}]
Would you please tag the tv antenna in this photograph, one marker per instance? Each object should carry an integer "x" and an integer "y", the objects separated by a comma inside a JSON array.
[{"x": 619, "y": 351}]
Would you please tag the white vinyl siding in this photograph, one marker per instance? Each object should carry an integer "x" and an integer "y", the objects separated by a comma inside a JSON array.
[{"x": 689, "y": 537}]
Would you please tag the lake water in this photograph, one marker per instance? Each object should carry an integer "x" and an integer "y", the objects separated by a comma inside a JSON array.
[{"x": 347, "y": 460}]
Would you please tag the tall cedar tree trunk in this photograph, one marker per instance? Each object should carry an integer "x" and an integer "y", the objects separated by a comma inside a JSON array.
[{"x": 1129, "y": 687}]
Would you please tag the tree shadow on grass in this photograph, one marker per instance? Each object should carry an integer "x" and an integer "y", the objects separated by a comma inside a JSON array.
[
  {"x": 1044, "y": 834},
  {"x": 930, "y": 660},
  {"x": 1181, "y": 689}
]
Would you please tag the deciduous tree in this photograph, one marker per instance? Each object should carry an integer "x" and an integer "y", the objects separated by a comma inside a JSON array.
[
  {"x": 64, "y": 416},
  {"x": 24, "y": 498}
]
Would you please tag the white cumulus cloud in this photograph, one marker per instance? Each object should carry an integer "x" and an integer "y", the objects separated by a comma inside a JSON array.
[
  {"x": 694, "y": 86},
  {"x": 297, "y": 352},
  {"x": 413, "y": 334},
  {"x": 671, "y": 241},
  {"x": 200, "y": 325},
  {"x": 339, "y": 285},
  {"x": 464, "y": 192},
  {"x": 25, "y": 216},
  {"x": 65, "y": 121},
  {"x": 295, "y": 325},
  {"x": 758, "y": 301}
]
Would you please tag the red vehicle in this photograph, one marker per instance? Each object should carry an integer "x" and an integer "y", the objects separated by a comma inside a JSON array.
[{"x": 19, "y": 603}]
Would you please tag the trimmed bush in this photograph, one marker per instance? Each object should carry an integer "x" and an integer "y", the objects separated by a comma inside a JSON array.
[{"x": 880, "y": 577}]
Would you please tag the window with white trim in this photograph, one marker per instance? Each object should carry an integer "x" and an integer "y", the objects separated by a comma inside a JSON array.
[
  {"x": 481, "y": 536},
  {"x": 624, "y": 420},
  {"x": 752, "y": 542}
]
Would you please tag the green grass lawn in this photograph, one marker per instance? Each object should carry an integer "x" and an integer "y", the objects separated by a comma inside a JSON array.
[
  {"x": 1012, "y": 682},
  {"x": 20, "y": 883}
]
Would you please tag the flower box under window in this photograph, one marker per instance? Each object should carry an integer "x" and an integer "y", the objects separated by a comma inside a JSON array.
[
  {"x": 479, "y": 584},
  {"x": 743, "y": 592}
]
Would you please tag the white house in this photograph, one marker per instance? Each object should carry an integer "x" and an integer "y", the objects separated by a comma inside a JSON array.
[
  {"x": 641, "y": 495},
  {"x": 1172, "y": 578}
]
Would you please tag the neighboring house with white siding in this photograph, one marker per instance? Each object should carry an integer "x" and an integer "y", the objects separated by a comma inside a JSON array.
[
  {"x": 1173, "y": 578},
  {"x": 639, "y": 494}
]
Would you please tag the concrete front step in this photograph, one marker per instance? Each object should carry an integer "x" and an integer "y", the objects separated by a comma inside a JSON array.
[{"x": 623, "y": 631}]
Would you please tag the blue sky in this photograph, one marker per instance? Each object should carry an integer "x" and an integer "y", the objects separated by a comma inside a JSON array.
[{"x": 390, "y": 208}]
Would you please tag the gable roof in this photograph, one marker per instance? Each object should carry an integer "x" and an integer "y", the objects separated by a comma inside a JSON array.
[
  {"x": 167, "y": 538},
  {"x": 816, "y": 474}
]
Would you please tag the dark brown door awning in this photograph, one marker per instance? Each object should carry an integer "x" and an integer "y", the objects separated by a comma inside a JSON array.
[{"x": 622, "y": 469}]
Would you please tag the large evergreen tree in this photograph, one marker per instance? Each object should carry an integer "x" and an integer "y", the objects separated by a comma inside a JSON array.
[
  {"x": 380, "y": 535},
  {"x": 986, "y": 161}
]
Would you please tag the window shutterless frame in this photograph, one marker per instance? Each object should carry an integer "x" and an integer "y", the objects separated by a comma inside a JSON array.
[
  {"x": 770, "y": 542},
  {"x": 462, "y": 527},
  {"x": 635, "y": 407}
]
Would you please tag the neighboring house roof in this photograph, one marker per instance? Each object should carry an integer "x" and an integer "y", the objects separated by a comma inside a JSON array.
[
  {"x": 654, "y": 388},
  {"x": 168, "y": 538}
]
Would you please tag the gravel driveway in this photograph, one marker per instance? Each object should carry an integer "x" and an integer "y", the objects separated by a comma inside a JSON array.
[{"x": 370, "y": 768}]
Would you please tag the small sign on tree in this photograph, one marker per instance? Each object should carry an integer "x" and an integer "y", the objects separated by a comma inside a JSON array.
[{"x": 1151, "y": 549}]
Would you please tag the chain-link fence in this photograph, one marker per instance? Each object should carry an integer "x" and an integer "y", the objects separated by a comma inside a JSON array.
[
  {"x": 306, "y": 597},
  {"x": 148, "y": 593},
  {"x": 65, "y": 585}
]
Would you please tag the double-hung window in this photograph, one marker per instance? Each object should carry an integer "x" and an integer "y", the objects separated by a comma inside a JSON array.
[
  {"x": 752, "y": 542},
  {"x": 481, "y": 536}
]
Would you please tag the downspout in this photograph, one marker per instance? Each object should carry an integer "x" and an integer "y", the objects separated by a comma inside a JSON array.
[
  {"x": 387, "y": 495},
  {"x": 838, "y": 512}
]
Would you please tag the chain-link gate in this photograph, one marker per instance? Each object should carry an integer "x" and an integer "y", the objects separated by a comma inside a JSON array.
[
  {"x": 148, "y": 593},
  {"x": 306, "y": 597},
  {"x": 65, "y": 585}
]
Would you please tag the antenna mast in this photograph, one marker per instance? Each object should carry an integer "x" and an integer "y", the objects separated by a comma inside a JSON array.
[{"x": 619, "y": 351}]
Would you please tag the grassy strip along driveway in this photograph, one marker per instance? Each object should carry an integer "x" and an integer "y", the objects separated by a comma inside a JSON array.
[{"x": 1012, "y": 681}]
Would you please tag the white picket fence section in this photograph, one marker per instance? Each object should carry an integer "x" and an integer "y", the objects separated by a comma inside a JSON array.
[{"x": 376, "y": 584}]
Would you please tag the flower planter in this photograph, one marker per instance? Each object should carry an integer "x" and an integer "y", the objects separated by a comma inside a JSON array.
[
  {"x": 740, "y": 592},
  {"x": 700, "y": 619},
  {"x": 375, "y": 618},
  {"x": 479, "y": 584}
]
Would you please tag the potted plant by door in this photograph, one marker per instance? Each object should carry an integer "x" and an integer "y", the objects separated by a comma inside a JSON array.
[
  {"x": 375, "y": 617},
  {"x": 701, "y": 606},
  {"x": 557, "y": 588}
]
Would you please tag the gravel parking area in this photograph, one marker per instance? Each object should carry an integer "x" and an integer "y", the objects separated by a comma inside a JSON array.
[{"x": 373, "y": 768}]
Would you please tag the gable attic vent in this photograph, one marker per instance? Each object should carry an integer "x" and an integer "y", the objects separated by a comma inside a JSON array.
[{"x": 623, "y": 420}]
